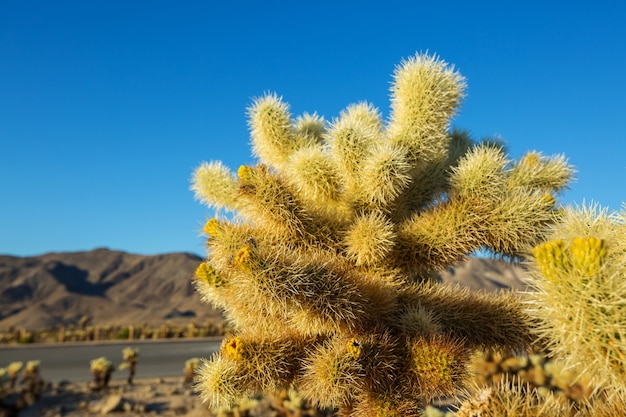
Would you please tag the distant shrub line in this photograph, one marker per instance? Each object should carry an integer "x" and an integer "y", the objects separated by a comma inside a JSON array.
[{"x": 74, "y": 333}]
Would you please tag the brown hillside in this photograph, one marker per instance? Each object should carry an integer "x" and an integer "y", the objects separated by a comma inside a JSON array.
[
  {"x": 110, "y": 287},
  {"x": 113, "y": 287},
  {"x": 487, "y": 274}
]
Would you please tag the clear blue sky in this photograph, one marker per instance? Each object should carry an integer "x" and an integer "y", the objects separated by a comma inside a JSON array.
[{"x": 106, "y": 107}]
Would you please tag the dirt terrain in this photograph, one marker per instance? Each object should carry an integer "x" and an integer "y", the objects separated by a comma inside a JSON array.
[{"x": 151, "y": 397}]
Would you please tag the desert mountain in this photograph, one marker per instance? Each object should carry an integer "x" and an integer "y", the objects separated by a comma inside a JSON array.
[
  {"x": 487, "y": 274},
  {"x": 113, "y": 287},
  {"x": 110, "y": 287}
]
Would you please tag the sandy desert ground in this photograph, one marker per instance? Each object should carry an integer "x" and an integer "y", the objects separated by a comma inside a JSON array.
[{"x": 149, "y": 397}]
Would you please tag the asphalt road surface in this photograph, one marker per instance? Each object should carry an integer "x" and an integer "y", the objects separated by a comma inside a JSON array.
[{"x": 71, "y": 361}]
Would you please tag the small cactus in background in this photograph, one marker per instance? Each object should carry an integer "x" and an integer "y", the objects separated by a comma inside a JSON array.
[
  {"x": 325, "y": 270},
  {"x": 535, "y": 371},
  {"x": 31, "y": 368},
  {"x": 131, "y": 357},
  {"x": 190, "y": 369},
  {"x": 31, "y": 385},
  {"x": 13, "y": 370},
  {"x": 101, "y": 370}
]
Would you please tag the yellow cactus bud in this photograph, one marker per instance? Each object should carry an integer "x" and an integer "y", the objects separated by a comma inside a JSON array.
[
  {"x": 233, "y": 348},
  {"x": 550, "y": 258},
  {"x": 245, "y": 174},
  {"x": 587, "y": 255},
  {"x": 548, "y": 199},
  {"x": 206, "y": 273},
  {"x": 244, "y": 258},
  {"x": 201, "y": 271},
  {"x": 213, "y": 228},
  {"x": 354, "y": 348}
]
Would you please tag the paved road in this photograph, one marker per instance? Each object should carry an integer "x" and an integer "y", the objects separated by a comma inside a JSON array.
[{"x": 71, "y": 361}]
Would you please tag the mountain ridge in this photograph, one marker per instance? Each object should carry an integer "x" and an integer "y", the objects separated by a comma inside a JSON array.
[
  {"x": 109, "y": 286},
  {"x": 120, "y": 288}
]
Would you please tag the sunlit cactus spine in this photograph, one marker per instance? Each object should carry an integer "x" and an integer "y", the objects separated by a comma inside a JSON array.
[
  {"x": 580, "y": 282},
  {"x": 324, "y": 266}
]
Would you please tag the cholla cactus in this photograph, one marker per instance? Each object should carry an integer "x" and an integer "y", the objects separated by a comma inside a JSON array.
[
  {"x": 579, "y": 277},
  {"x": 31, "y": 385},
  {"x": 101, "y": 370},
  {"x": 131, "y": 357},
  {"x": 325, "y": 268},
  {"x": 13, "y": 370},
  {"x": 32, "y": 368},
  {"x": 190, "y": 369}
]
